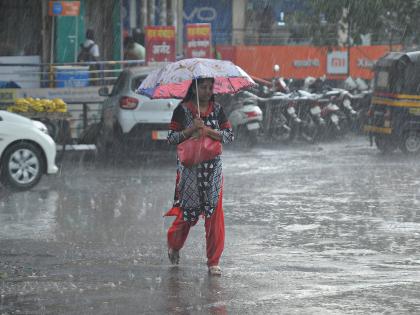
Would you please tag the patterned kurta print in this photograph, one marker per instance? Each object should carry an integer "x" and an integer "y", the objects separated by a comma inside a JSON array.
[{"x": 198, "y": 187}]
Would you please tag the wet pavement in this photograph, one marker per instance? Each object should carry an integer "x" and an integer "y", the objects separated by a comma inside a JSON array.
[{"x": 332, "y": 228}]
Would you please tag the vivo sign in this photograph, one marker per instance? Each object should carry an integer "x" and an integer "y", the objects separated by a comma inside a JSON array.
[
  {"x": 203, "y": 14},
  {"x": 217, "y": 13},
  {"x": 337, "y": 62}
]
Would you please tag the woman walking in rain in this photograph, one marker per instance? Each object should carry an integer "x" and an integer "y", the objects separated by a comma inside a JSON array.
[{"x": 199, "y": 188}]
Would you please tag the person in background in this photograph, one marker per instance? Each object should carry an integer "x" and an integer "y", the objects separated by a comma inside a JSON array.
[
  {"x": 134, "y": 46},
  {"x": 278, "y": 83},
  {"x": 199, "y": 188},
  {"x": 89, "y": 52}
]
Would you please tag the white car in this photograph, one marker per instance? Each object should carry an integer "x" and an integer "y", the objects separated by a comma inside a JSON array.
[
  {"x": 26, "y": 151},
  {"x": 131, "y": 120}
]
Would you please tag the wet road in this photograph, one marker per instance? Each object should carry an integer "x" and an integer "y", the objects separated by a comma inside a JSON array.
[{"x": 325, "y": 229}]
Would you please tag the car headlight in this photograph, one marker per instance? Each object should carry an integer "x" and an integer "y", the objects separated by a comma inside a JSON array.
[{"x": 41, "y": 126}]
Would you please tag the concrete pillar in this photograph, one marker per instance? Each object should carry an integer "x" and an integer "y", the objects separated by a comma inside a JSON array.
[
  {"x": 163, "y": 13},
  {"x": 45, "y": 33},
  {"x": 172, "y": 12},
  {"x": 143, "y": 15},
  {"x": 180, "y": 27},
  {"x": 238, "y": 21},
  {"x": 151, "y": 12},
  {"x": 133, "y": 14}
]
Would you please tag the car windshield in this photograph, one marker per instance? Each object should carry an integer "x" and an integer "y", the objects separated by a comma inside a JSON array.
[{"x": 135, "y": 82}]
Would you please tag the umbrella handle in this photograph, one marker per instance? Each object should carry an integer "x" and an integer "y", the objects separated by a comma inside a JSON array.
[{"x": 198, "y": 101}]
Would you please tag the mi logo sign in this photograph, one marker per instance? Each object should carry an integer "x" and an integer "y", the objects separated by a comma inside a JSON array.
[{"x": 337, "y": 62}]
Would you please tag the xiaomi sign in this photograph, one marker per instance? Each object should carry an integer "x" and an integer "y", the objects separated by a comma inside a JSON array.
[{"x": 337, "y": 62}]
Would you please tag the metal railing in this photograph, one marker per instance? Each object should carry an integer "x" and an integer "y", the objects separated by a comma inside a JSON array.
[{"x": 76, "y": 74}]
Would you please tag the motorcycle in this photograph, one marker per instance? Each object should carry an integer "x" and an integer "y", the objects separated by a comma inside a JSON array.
[
  {"x": 246, "y": 118},
  {"x": 334, "y": 120},
  {"x": 361, "y": 97},
  {"x": 290, "y": 122},
  {"x": 337, "y": 109},
  {"x": 278, "y": 116}
]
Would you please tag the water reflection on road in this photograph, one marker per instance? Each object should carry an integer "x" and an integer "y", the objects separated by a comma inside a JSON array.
[{"x": 331, "y": 228}]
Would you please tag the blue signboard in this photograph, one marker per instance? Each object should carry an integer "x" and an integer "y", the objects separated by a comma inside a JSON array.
[
  {"x": 217, "y": 13},
  {"x": 57, "y": 8}
]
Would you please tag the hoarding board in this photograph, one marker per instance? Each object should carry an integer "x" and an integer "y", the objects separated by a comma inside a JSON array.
[
  {"x": 198, "y": 44},
  {"x": 160, "y": 44},
  {"x": 64, "y": 8},
  {"x": 217, "y": 13}
]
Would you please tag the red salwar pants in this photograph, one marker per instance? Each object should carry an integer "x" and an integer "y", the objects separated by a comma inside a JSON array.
[{"x": 215, "y": 232}]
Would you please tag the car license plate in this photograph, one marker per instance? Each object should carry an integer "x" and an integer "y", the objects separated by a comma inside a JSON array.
[
  {"x": 253, "y": 126},
  {"x": 316, "y": 110},
  {"x": 159, "y": 134}
]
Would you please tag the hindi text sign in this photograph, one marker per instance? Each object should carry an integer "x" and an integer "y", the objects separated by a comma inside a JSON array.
[
  {"x": 198, "y": 40},
  {"x": 160, "y": 44}
]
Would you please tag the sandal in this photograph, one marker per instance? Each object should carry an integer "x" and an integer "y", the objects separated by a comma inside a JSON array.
[
  {"x": 215, "y": 271},
  {"x": 173, "y": 256}
]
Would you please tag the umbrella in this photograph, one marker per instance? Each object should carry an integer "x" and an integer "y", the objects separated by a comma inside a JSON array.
[{"x": 174, "y": 79}]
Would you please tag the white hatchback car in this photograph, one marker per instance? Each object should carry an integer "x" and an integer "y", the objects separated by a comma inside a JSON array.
[
  {"x": 26, "y": 151},
  {"x": 131, "y": 120}
]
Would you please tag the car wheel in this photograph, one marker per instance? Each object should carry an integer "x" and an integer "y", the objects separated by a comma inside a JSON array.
[
  {"x": 22, "y": 166},
  {"x": 410, "y": 143},
  {"x": 385, "y": 144}
]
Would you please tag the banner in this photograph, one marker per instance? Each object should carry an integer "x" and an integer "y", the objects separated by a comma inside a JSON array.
[
  {"x": 198, "y": 43},
  {"x": 69, "y": 95},
  {"x": 160, "y": 44},
  {"x": 217, "y": 13},
  {"x": 298, "y": 62},
  {"x": 64, "y": 8}
]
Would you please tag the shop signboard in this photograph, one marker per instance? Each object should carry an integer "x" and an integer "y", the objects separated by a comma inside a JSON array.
[
  {"x": 68, "y": 94},
  {"x": 160, "y": 44},
  {"x": 64, "y": 8},
  {"x": 198, "y": 43}
]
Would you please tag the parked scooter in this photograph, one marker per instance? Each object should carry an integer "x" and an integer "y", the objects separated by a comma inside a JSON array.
[
  {"x": 285, "y": 108},
  {"x": 337, "y": 109},
  {"x": 309, "y": 112},
  {"x": 361, "y": 96},
  {"x": 279, "y": 117},
  {"x": 246, "y": 118},
  {"x": 334, "y": 120}
]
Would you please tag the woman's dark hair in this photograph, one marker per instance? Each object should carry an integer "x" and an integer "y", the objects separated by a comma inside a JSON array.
[{"x": 190, "y": 93}]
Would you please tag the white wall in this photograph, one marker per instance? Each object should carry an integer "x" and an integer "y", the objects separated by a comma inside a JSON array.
[{"x": 24, "y": 76}]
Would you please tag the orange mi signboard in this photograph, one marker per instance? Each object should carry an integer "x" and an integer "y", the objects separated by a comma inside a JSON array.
[{"x": 64, "y": 8}]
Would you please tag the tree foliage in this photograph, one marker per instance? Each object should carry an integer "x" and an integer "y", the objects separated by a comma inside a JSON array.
[{"x": 386, "y": 20}]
